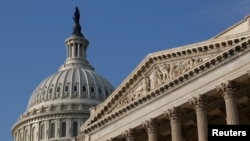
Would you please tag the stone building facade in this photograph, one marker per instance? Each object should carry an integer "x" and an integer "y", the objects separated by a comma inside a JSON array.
[{"x": 174, "y": 94}]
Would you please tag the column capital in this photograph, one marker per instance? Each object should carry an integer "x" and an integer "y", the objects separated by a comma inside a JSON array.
[
  {"x": 150, "y": 125},
  {"x": 112, "y": 139},
  {"x": 129, "y": 134},
  {"x": 227, "y": 89},
  {"x": 198, "y": 102},
  {"x": 173, "y": 114}
]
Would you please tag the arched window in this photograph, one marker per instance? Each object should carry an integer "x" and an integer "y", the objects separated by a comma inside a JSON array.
[
  {"x": 92, "y": 89},
  {"x": 33, "y": 134},
  {"x": 58, "y": 89},
  {"x": 20, "y": 136},
  {"x": 75, "y": 88},
  {"x": 66, "y": 88},
  {"x": 42, "y": 132},
  {"x": 75, "y": 129},
  {"x": 26, "y": 135},
  {"x": 63, "y": 130},
  {"x": 52, "y": 130},
  {"x": 83, "y": 88},
  {"x": 50, "y": 90}
]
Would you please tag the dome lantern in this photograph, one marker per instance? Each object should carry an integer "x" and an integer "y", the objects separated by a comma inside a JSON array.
[{"x": 76, "y": 46}]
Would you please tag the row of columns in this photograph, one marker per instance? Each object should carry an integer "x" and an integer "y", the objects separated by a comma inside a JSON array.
[{"x": 199, "y": 103}]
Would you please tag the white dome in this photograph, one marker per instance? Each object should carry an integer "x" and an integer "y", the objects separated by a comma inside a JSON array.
[
  {"x": 60, "y": 104},
  {"x": 76, "y": 85}
]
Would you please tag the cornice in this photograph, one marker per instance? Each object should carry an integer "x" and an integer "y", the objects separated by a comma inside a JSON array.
[
  {"x": 99, "y": 118},
  {"x": 201, "y": 47},
  {"x": 47, "y": 116}
]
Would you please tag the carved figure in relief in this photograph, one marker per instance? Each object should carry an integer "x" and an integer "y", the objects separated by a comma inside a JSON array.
[
  {"x": 166, "y": 72},
  {"x": 145, "y": 85},
  {"x": 198, "y": 61},
  {"x": 130, "y": 96},
  {"x": 188, "y": 64},
  {"x": 157, "y": 77}
]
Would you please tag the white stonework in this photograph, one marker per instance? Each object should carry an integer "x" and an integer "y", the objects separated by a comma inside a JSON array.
[
  {"x": 170, "y": 78},
  {"x": 61, "y": 102}
]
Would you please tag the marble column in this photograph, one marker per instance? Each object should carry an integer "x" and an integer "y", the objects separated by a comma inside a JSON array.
[
  {"x": 129, "y": 135},
  {"x": 228, "y": 91},
  {"x": 174, "y": 116},
  {"x": 151, "y": 127},
  {"x": 199, "y": 104}
]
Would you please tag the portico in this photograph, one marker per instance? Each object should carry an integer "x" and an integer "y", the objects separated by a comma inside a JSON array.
[{"x": 174, "y": 94}]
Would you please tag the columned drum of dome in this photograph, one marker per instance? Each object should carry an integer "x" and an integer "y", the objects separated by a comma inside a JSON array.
[{"x": 60, "y": 103}]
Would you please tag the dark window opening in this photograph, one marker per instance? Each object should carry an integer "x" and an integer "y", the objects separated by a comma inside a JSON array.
[
  {"x": 64, "y": 129},
  {"x": 75, "y": 129},
  {"x": 83, "y": 88},
  {"x": 66, "y": 88},
  {"x": 92, "y": 89},
  {"x": 58, "y": 89},
  {"x": 75, "y": 88},
  {"x": 52, "y": 130}
]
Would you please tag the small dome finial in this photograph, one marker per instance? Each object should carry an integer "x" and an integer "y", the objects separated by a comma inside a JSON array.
[{"x": 77, "y": 26}]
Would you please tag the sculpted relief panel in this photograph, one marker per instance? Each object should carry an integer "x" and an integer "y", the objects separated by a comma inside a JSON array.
[{"x": 160, "y": 74}]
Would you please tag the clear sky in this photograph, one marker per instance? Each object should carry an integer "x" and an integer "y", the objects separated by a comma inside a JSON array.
[{"x": 121, "y": 34}]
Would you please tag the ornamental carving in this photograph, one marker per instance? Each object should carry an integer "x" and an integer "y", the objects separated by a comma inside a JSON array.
[
  {"x": 168, "y": 71},
  {"x": 129, "y": 134},
  {"x": 227, "y": 89},
  {"x": 199, "y": 102},
  {"x": 160, "y": 74},
  {"x": 150, "y": 125},
  {"x": 173, "y": 114}
]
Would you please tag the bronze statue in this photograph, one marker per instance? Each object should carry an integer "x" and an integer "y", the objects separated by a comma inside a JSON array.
[
  {"x": 76, "y": 16},
  {"x": 77, "y": 26}
]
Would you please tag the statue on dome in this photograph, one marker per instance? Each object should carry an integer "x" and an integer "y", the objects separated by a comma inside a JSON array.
[
  {"x": 77, "y": 26},
  {"x": 76, "y": 16}
]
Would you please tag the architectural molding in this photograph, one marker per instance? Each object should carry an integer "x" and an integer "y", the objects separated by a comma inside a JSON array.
[{"x": 212, "y": 63}]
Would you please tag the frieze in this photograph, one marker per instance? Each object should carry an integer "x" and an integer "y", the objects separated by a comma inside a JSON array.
[
  {"x": 160, "y": 74},
  {"x": 206, "y": 65}
]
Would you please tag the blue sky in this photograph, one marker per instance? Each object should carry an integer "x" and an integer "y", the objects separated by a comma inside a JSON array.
[{"x": 121, "y": 34}]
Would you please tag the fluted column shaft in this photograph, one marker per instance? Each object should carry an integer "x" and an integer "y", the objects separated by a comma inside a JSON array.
[
  {"x": 151, "y": 128},
  {"x": 199, "y": 104},
  {"x": 228, "y": 92},
  {"x": 174, "y": 116}
]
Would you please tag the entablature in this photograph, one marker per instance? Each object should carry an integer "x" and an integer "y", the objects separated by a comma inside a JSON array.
[{"x": 137, "y": 89}]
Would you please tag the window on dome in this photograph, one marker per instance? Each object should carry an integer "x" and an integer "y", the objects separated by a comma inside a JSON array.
[
  {"x": 75, "y": 88},
  {"x": 80, "y": 52},
  {"x": 63, "y": 129},
  {"x": 76, "y": 50},
  {"x": 66, "y": 88},
  {"x": 42, "y": 132},
  {"x": 26, "y": 135},
  {"x": 33, "y": 134},
  {"x": 52, "y": 130},
  {"x": 92, "y": 89},
  {"x": 106, "y": 92},
  {"x": 50, "y": 90},
  {"x": 44, "y": 91},
  {"x": 75, "y": 129},
  {"x": 100, "y": 91},
  {"x": 58, "y": 89},
  {"x": 83, "y": 88}
]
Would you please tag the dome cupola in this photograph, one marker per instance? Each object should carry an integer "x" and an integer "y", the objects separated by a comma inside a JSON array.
[{"x": 61, "y": 102}]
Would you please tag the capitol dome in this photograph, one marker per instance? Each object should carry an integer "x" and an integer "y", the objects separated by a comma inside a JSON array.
[{"x": 60, "y": 103}]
